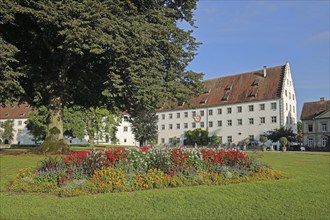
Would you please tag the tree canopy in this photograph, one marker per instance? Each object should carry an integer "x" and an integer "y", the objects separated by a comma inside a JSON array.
[
  {"x": 276, "y": 134},
  {"x": 144, "y": 126},
  {"x": 114, "y": 53}
]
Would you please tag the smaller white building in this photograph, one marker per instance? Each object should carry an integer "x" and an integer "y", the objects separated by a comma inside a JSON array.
[{"x": 19, "y": 113}]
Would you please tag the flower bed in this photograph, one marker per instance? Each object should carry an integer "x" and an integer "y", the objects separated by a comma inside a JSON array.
[{"x": 120, "y": 169}]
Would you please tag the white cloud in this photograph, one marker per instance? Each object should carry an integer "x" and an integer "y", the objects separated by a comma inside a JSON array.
[{"x": 323, "y": 36}]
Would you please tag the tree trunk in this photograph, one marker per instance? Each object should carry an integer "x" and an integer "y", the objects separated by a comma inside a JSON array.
[
  {"x": 90, "y": 132},
  {"x": 55, "y": 122},
  {"x": 54, "y": 141}
]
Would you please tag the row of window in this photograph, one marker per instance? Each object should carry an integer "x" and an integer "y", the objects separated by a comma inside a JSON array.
[
  {"x": 324, "y": 127},
  {"x": 239, "y": 109},
  {"x": 310, "y": 142},
  {"x": 251, "y": 121},
  {"x": 286, "y": 94},
  {"x": 229, "y": 139}
]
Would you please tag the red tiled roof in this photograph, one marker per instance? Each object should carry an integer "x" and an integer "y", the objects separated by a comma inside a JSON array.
[
  {"x": 312, "y": 109},
  {"x": 15, "y": 111},
  {"x": 240, "y": 88}
]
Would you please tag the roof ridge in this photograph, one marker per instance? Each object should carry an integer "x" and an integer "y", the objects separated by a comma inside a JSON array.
[{"x": 237, "y": 74}]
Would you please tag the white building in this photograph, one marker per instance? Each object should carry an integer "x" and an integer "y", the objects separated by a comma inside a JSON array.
[
  {"x": 19, "y": 114},
  {"x": 235, "y": 107}
]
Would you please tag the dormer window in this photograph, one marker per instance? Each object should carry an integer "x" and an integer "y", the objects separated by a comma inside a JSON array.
[
  {"x": 7, "y": 114},
  {"x": 203, "y": 102},
  {"x": 228, "y": 87},
  {"x": 207, "y": 91},
  {"x": 21, "y": 115},
  {"x": 255, "y": 83}
]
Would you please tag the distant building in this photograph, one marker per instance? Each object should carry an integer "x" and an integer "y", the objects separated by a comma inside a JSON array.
[
  {"x": 235, "y": 107},
  {"x": 315, "y": 117},
  {"x": 19, "y": 113}
]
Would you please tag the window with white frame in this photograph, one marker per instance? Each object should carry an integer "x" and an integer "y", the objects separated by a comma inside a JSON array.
[
  {"x": 19, "y": 122},
  {"x": 210, "y": 112},
  {"x": 251, "y": 121},
  {"x": 229, "y": 139},
  {"x": 125, "y": 129},
  {"x": 262, "y": 120},
  {"x": 273, "y": 106},
  {"x": 170, "y": 126},
  {"x": 193, "y": 125},
  {"x": 185, "y": 125},
  {"x": 239, "y": 109},
  {"x": 162, "y": 140},
  {"x": 178, "y": 115},
  {"x": 163, "y": 127},
  {"x": 219, "y": 123},
  {"x": 310, "y": 142},
  {"x": 239, "y": 121},
  {"x": 163, "y": 116},
  {"x": 229, "y": 110},
  {"x": 210, "y": 124},
  {"x": 310, "y": 128},
  {"x": 186, "y": 114},
  {"x": 178, "y": 126},
  {"x": 201, "y": 112},
  {"x": 262, "y": 107},
  {"x": 324, "y": 127},
  {"x": 251, "y": 138},
  {"x": 274, "y": 119},
  {"x": 251, "y": 108},
  {"x": 193, "y": 113},
  {"x": 170, "y": 115},
  {"x": 219, "y": 111},
  {"x": 19, "y": 131},
  {"x": 202, "y": 124},
  {"x": 229, "y": 122},
  {"x": 324, "y": 141}
]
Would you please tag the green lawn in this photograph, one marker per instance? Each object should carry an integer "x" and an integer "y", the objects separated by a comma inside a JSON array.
[{"x": 305, "y": 195}]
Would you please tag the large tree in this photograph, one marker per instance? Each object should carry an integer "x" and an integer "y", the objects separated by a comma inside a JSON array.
[
  {"x": 114, "y": 53},
  {"x": 36, "y": 123}
]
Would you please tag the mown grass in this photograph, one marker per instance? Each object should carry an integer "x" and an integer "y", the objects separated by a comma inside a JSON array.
[{"x": 304, "y": 195}]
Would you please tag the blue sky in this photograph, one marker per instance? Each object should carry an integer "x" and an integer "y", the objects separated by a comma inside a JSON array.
[{"x": 242, "y": 36}]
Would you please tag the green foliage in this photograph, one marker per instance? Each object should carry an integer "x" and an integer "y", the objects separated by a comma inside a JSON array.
[
  {"x": 144, "y": 126},
  {"x": 283, "y": 141},
  {"x": 120, "y": 54},
  {"x": 276, "y": 134},
  {"x": 197, "y": 136},
  {"x": 215, "y": 140},
  {"x": 73, "y": 122},
  {"x": 37, "y": 123},
  {"x": 100, "y": 121},
  {"x": 7, "y": 131}
]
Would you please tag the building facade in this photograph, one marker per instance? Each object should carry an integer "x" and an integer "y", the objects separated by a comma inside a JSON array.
[
  {"x": 235, "y": 107},
  {"x": 315, "y": 117},
  {"x": 19, "y": 113}
]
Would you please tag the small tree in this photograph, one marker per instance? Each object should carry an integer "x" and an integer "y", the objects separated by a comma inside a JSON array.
[
  {"x": 276, "y": 134},
  {"x": 197, "y": 136},
  {"x": 37, "y": 123},
  {"x": 263, "y": 140},
  {"x": 215, "y": 140},
  {"x": 284, "y": 142},
  {"x": 7, "y": 132},
  {"x": 144, "y": 126}
]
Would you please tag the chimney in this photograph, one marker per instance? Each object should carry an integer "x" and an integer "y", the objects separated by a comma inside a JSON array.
[
  {"x": 322, "y": 99},
  {"x": 265, "y": 71}
]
